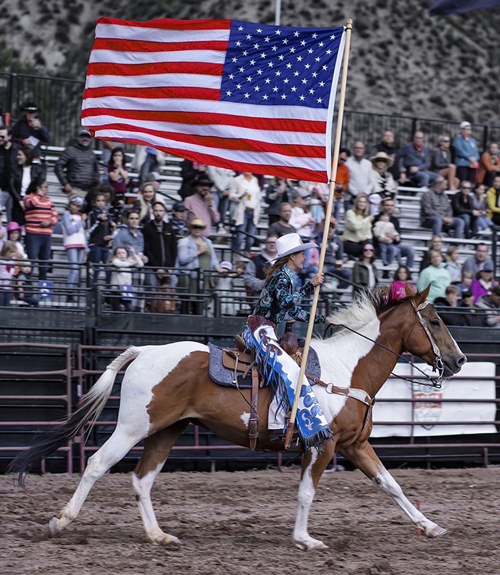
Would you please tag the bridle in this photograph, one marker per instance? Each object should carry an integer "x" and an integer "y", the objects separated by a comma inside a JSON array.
[{"x": 437, "y": 365}]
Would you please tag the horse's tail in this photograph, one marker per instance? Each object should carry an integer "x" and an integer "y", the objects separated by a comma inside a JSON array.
[{"x": 92, "y": 405}]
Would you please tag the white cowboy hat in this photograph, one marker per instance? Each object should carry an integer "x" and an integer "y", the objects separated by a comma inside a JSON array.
[
  {"x": 290, "y": 244},
  {"x": 382, "y": 156}
]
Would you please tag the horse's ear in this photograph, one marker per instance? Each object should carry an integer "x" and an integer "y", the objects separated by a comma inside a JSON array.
[
  {"x": 409, "y": 290},
  {"x": 422, "y": 296}
]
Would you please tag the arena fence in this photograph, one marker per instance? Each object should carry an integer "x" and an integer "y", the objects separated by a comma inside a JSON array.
[
  {"x": 60, "y": 100},
  {"x": 49, "y": 381}
]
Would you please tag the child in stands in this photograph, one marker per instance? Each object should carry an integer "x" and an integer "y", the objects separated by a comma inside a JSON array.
[
  {"x": 123, "y": 261},
  {"x": 74, "y": 240}
]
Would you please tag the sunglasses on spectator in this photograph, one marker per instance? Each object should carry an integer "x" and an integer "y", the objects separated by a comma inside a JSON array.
[
  {"x": 198, "y": 227},
  {"x": 446, "y": 140},
  {"x": 368, "y": 250}
]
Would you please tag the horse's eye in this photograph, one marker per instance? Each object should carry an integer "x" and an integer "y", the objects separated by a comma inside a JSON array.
[{"x": 435, "y": 323}]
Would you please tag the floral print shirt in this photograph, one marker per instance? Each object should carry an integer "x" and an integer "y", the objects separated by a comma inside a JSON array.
[{"x": 279, "y": 302}]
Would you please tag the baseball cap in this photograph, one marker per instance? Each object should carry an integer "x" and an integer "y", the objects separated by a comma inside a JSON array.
[
  {"x": 465, "y": 125},
  {"x": 178, "y": 207},
  {"x": 152, "y": 177},
  {"x": 77, "y": 200},
  {"x": 225, "y": 265},
  {"x": 203, "y": 181},
  {"x": 84, "y": 132},
  {"x": 467, "y": 293},
  {"x": 487, "y": 268}
]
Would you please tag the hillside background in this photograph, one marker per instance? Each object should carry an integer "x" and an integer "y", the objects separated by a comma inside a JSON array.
[{"x": 402, "y": 60}]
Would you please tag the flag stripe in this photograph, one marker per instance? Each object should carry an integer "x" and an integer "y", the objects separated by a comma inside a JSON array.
[
  {"x": 154, "y": 93},
  {"x": 106, "y": 56},
  {"x": 149, "y": 47},
  {"x": 156, "y": 81},
  {"x": 159, "y": 35},
  {"x": 229, "y": 143},
  {"x": 170, "y": 24},
  {"x": 284, "y": 171},
  {"x": 107, "y": 69},
  {"x": 95, "y": 116},
  {"x": 198, "y": 105}
]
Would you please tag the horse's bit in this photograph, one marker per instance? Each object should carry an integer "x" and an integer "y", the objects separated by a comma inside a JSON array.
[{"x": 437, "y": 365}]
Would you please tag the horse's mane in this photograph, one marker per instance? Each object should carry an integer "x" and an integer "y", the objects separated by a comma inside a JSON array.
[{"x": 366, "y": 308}]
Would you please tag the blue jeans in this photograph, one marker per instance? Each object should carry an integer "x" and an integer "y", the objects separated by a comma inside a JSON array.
[
  {"x": 150, "y": 165},
  {"x": 5, "y": 297},
  {"x": 98, "y": 255},
  {"x": 424, "y": 177},
  {"x": 481, "y": 223},
  {"x": 467, "y": 224},
  {"x": 387, "y": 253},
  {"x": 436, "y": 223},
  {"x": 247, "y": 226},
  {"x": 75, "y": 258},
  {"x": 38, "y": 248},
  {"x": 407, "y": 252}
]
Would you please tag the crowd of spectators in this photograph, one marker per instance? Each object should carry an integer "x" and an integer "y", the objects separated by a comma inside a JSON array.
[{"x": 117, "y": 219}]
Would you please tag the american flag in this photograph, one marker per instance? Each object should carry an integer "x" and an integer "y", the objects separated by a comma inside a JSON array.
[{"x": 239, "y": 95}]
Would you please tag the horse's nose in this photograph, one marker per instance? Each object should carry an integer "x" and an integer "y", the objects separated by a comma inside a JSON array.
[{"x": 461, "y": 361}]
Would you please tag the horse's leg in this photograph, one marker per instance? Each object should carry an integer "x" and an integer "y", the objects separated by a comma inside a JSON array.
[
  {"x": 313, "y": 466},
  {"x": 116, "y": 447},
  {"x": 156, "y": 450},
  {"x": 364, "y": 458}
]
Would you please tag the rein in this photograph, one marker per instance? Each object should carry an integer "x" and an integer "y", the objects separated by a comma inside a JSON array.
[{"x": 438, "y": 366}]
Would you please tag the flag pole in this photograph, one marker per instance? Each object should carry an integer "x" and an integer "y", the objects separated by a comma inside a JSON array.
[{"x": 328, "y": 215}]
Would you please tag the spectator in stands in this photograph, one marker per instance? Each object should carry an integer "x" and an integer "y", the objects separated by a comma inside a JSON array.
[
  {"x": 160, "y": 242},
  {"x": 483, "y": 283},
  {"x": 14, "y": 231},
  {"x": 402, "y": 277},
  {"x": 123, "y": 261},
  {"x": 386, "y": 145},
  {"x": 100, "y": 229},
  {"x": 196, "y": 252},
  {"x": 23, "y": 173},
  {"x": 222, "y": 179},
  {"x": 334, "y": 255},
  {"x": 74, "y": 241},
  {"x": 452, "y": 265},
  {"x": 436, "y": 211},
  {"x": 403, "y": 250},
  {"x": 463, "y": 208},
  {"x": 450, "y": 302},
  {"x": 153, "y": 159},
  {"x": 191, "y": 172},
  {"x": 341, "y": 181},
  {"x": 357, "y": 227},
  {"x": 384, "y": 186},
  {"x": 255, "y": 272},
  {"x": 466, "y": 153},
  {"x": 118, "y": 173},
  {"x": 435, "y": 275},
  {"x": 302, "y": 219},
  {"x": 319, "y": 197},
  {"x": 472, "y": 315},
  {"x": 130, "y": 236},
  {"x": 164, "y": 299},
  {"x": 364, "y": 272},
  {"x": 7, "y": 264},
  {"x": 246, "y": 195},
  {"x": 77, "y": 169},
  {"x": 482, "y": 221},
  {"x": 466, "y": 281},
  {"x": 436, "y": 244},
  {"x": 155, "y": 179},
  {"x": 24, "y": 290},
  {"x": 414, "y": 162},
  {"x": 107, "y": 148},
  {"x": 478, "y": 261},
  {"x": 277, "y": 193},
  {"x": 491, "y": 303},
  {"x": 7, "y": 164},
  {"x": 489, "y": 166},
  {"x": 178, "y": 220},
  {"x": 360, "y": 175},
  {"x": 145, "y": 201},
  {"x": 29, "y": 130},
  {"x": 493, "y": 201},
  {"x": 386, "y": 235},
  {"x": 201, "y": 205},
  {"x": 283, "y": 225},
  {"x": 441, "y": 162},
  {"x": 41, "y": 217}
]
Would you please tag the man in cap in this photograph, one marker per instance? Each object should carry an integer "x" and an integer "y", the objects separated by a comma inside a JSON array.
[
  {"x": 178, "y": 220},
  {"x": 201, "y": 205},
  {"x": 77, "y": 168},
  {"x": 478, "y": 261},
  {"x": 491, "y": 302},
  {"x": 29, "y": 131},
  {"x": 466, "y": 153}
]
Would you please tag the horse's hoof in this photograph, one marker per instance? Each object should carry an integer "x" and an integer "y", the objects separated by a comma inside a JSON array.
[
  {"x": 436, "y": 532},
  {"x": 311, "y": 545},
  {"x": 167, "y": 540},
  {"x": 53, "y": 527}
]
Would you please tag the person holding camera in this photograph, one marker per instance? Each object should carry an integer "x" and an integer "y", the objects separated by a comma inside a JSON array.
[{"x": 160, "y": 243}]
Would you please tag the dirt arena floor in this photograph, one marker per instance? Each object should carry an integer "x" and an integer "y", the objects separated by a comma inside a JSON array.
[{"x": 241, "y": 523}]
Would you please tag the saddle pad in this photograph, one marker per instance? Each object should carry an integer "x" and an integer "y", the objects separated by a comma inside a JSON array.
[{"x": 225, "y": 377}]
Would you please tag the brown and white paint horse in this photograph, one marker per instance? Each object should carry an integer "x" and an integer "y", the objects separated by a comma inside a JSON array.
[{"x": 167, "y": 387}]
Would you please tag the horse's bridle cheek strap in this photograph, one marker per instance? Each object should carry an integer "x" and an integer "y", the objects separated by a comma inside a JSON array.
[{"x": 438, "y": 360}]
